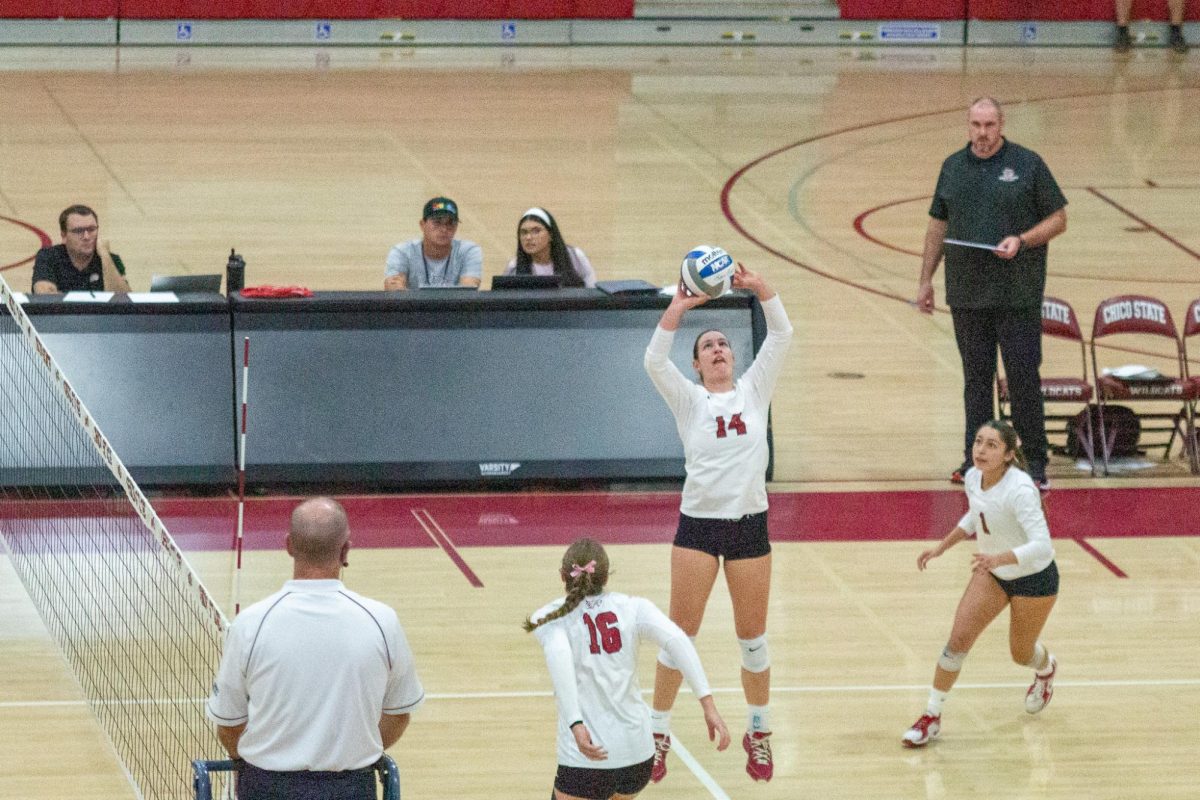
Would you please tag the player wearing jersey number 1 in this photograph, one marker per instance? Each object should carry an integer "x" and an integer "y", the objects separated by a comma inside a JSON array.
[
  {"x": 722, "y": 422},
  {"x": 1013, "y": 567},
  {"x": 590, "y": 639}
]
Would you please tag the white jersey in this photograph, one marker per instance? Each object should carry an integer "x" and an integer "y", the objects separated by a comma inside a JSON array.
[
  {"x": 724, "y": 435},
  {"x": 592, "y": 657},
  {"x": 1008, "y": 516}
]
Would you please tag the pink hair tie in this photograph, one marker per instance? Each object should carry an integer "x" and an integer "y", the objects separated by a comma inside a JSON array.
[{"x": 577, "y": 570}]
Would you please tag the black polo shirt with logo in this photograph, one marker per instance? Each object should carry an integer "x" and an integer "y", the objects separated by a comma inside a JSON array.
[
  {"x": 984, "y": 200},
  {"x": 54, "y": 264}
]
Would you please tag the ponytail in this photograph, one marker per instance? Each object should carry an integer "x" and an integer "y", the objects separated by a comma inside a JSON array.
[{"x": 585, "y": 572}]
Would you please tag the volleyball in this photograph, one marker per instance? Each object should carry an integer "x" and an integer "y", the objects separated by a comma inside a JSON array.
[{"x": 707, "y": 270}]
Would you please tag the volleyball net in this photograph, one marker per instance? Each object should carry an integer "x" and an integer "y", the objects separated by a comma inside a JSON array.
[{"x": 139, "y": 630}]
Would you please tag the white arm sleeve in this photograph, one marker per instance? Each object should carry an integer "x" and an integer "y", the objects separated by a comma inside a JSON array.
[
  {"x": 561, "y": 665},
  {"x": 404, "y": 692},
  {"x": 229, "y": 703},
  {"x": 654, "y": 624},
  {"x": 768, "y": 363},
  {"x": 665, "y": 376},
  {"x": 1027, "y": 507}
]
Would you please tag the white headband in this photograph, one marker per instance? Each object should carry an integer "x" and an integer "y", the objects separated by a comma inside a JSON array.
[{"x": 540, "y": 214}]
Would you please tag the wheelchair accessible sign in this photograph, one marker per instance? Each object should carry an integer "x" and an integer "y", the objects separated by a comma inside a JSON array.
[{"x": 909, "y": 32}]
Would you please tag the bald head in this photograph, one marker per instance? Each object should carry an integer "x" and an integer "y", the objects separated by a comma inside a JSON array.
[
  {"x": 319, "y": 530},
  {"x": 986, "y": 102}
]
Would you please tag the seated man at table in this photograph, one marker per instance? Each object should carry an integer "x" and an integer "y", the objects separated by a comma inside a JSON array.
[
  {"x": 82, "y": 262},
  {"x": 437, "y": 258}
]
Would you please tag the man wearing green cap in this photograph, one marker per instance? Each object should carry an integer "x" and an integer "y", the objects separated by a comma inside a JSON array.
[{"x": 437, "y": 258}]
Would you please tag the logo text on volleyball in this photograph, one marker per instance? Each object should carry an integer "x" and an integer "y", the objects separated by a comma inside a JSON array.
[{"x": 1136, "y": 309}]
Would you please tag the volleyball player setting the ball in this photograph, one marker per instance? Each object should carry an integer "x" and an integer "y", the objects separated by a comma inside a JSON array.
[
  {"x": 1014, "y": 567},
  {"x": 723, "y": 513},
  {"x": 590, "y": 638}
]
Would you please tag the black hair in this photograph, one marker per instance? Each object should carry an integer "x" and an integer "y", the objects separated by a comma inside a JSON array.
[{"x": 564, "y": 268}]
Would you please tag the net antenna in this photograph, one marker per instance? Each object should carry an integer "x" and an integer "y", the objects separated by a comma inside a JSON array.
[
  {"x": 241, "y": 508},
  {"x": 137, "y": 627}
]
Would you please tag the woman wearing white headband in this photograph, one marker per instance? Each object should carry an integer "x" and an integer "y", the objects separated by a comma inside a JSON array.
[
  {"x": 541, "y": 250},
  {"x": 590, "y": 638}
]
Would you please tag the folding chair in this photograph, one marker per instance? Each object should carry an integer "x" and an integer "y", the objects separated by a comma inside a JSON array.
[
  {"x": 1141, "y": 315},
  {"x": 1059, "y": 321},
  {"x": 385, "y": 768},
  {"x": 1191, "y": 327}
]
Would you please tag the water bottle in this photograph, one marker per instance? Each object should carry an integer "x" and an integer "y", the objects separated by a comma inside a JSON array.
[{"x": 235, "y": 273}]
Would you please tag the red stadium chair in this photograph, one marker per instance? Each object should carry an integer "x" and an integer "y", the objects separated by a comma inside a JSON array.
[
  {"x": 1139, "y": 315},
  {"x": 1191, "y": 327},
  {"x": 1059, "y": 321}
]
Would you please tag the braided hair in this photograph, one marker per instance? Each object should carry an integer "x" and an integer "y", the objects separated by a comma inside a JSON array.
[{"x": 582, "y": 553}]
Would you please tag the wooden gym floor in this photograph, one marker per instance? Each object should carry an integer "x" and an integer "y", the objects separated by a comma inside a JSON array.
[{"x": 811, "y": 165}]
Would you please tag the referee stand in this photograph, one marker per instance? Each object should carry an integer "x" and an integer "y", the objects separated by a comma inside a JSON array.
[{"x": 385, "y": 769}]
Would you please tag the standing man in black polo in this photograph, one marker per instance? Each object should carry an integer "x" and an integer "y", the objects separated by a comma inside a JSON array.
[
  {"x": 996, "y": 193},
  {"x": 82, "y": 262},
  {"x": 316, "y": 681}
]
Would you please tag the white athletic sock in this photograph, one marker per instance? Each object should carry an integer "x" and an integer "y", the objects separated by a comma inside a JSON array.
[
  {"x": 758, "y": 719},
  {"x": 936, "y": 699},
  {"x": 1045, "y": 671},
  {"x": 660, "y": 722}
]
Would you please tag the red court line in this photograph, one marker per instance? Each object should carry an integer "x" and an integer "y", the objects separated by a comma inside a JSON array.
[
  {"x": 1145, "y": 223},
  {"x": 1096, "y": 554},
  {"x": 41, "y": 234},
  {"x": 859, "y": 225},
  {"x": 426, "y": 521}
]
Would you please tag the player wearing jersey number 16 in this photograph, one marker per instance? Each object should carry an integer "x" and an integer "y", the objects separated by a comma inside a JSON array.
[{"x": 590, "y": 639}]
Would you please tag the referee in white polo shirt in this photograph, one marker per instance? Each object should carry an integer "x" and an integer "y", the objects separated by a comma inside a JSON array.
[{"x": 315, "y": 681}]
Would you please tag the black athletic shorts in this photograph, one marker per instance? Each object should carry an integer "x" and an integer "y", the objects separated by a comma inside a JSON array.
[
  {"x": 1039, "y": 584},
  {"x": 731, "y": 538},
  {"x": 601, "y": 784},
  {"x": 264, "y": 784}
]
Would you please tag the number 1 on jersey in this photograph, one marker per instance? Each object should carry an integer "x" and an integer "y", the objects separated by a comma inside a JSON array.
[{"x": 601, "y": 632}]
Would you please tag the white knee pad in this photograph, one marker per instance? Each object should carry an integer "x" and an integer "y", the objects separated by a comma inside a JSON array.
[
  {"x": 950, "y": 660},
  {"x": 755, "y": 655},
  {"x": 665, "y": 659}
]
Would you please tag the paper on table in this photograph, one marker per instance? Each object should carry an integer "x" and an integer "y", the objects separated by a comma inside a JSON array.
[
  {"x": 21, "y": 298},
  {"x": 961, "y": 243},
  {"x": 87, "y": 297},
  {"x": 153, "y": 297}
]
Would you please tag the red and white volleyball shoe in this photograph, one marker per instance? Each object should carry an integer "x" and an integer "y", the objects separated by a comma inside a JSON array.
[{"x": 923, "y": 730}]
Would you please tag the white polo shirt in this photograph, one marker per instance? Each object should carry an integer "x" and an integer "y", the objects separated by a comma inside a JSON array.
[{"x": 310, "y": 669}]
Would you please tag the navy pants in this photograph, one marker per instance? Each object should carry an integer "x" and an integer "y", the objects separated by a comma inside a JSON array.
[
  {"x": 262, "y": 784},
  {"x": 1017, "y": 332}
]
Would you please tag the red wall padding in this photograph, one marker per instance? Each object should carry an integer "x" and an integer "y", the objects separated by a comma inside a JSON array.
[
  {"x": 53, "y": 9},
  {"x": 1070, "y": 10},
  {"x": 903, "y": 9},
  {"x": 1060, "y": 10},
  {"x": 318, "y": 9}
]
